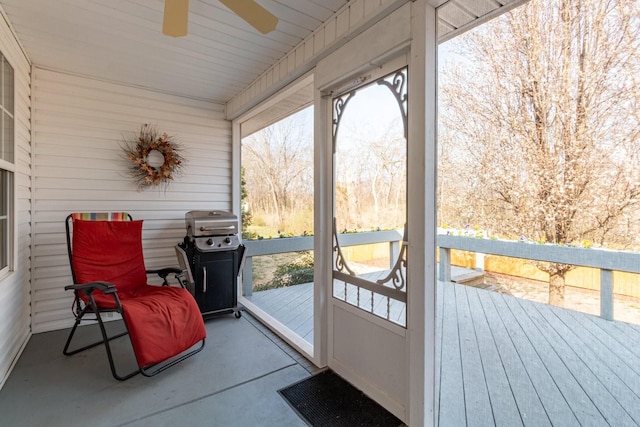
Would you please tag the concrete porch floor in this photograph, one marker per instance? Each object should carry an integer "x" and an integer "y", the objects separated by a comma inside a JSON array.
[{"x": 233, "y": 381}]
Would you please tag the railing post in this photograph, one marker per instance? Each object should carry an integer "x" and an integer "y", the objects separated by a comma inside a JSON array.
[
  {"x": 394, "y": 250},
  {"x": 479, "y": 261},
  {"x": 445, "y": 265},
  {"x": 606, "y": 294},
  {"x": 247, "y": 277}
]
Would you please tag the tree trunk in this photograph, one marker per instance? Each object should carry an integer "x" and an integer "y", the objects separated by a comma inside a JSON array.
[{"x": 556, "y": 289}]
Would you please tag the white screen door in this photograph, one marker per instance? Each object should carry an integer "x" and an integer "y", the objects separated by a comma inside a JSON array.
[{"x": 367, "y": 308}]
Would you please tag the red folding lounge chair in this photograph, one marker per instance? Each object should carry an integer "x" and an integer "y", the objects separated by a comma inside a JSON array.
[{"x": 164, "y": 323}]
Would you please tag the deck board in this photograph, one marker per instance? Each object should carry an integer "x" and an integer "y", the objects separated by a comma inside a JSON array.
[
  {"x": 497, "y": 382},
  {"x": 545, "y": 388},
  {"x": 572, "y": 391},
  {"x": 530, "y": 408},
  {"x": 292, "y": 306},
  {"x": 585, "y": 368},
  {"x": 624, "y": 337},
  {"x": 631, "y": 335},
  {"x": 613, "y": 347},
  {"x": 452, "y": 394},
  {"x": 506, "y": 361},
  {"x": 623, "y": 404},
  {"x": 477, "y": 402}
]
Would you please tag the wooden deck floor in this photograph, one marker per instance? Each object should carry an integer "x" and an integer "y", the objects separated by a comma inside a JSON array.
[
  {"x": 507, "y": 361},
  {"x": 291, "y": 306}
]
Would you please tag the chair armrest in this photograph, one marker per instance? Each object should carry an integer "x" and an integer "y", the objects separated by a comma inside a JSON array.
[
  {"x": 87, "y": 288},
  {"x": 164, "y": 272},
  {"x": 106, "y": 288}
]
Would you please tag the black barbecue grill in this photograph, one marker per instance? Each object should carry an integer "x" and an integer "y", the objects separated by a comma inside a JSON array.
[{"x": 211, "y": 255}]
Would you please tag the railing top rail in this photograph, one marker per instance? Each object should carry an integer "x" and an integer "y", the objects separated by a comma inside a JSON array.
[
  {"x": 278, "y": 245},
  {"x": 597, "y": 258},
  {"x": 305, "y": 243},
  {"x": 368, "y": 237}
]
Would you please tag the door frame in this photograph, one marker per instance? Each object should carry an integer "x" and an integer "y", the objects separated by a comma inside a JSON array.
[
  {"x": 411, "y": 29},
  {"x": 308, "y": 350},
  {"x": 368, "y": 351}
]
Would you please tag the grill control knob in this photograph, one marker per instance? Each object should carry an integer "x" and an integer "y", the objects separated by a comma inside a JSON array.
[
  {"x": 227, "y": 240},
  {"x": 210, "y": 242}
]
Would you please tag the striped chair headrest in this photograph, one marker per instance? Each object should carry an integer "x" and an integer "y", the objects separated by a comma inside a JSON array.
[{"x": 101, "y": 216}]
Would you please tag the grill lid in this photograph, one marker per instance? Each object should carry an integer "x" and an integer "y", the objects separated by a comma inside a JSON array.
[{"x": 211, "y": 223}]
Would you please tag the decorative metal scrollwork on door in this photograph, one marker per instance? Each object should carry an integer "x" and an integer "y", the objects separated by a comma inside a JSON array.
[
  {"x": 397, "y": 84},
  {"x": 393, "y": 285},
  {"x": 339, "y": 105}
]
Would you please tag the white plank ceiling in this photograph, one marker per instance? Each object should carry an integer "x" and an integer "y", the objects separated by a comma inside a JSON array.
[{"x": 121, "y": 40}]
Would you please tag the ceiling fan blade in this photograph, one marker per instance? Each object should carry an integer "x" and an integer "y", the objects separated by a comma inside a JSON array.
[
  {"x": 176, "y": 18},
  {"x": 257, "y": 16}
]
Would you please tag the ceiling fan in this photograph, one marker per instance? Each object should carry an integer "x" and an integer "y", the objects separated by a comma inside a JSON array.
[{"x": 176, "y": 16}]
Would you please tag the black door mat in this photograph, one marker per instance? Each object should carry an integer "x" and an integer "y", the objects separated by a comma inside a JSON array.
[{"x": 326, "y": 399}]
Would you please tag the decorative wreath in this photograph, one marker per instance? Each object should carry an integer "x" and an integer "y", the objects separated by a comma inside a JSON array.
[{"x": 138, "y": 150}]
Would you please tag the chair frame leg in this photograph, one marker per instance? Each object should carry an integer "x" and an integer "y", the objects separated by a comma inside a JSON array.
[
  {"x": 147, "y": 371},
  {"x": 105, "y": 340},
  {"x": 108, "y": 348},
  {"x": 66, "y": 351}
]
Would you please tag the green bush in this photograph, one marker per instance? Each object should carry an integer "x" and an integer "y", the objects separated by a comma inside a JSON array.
[{"x": 294, "y": 273}]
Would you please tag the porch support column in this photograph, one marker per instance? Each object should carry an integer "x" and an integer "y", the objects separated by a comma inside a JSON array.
[
  {"x": 421, "y": 190},
  {"x": 236, "y": 208},
  {"x": 323, "y": 224}
]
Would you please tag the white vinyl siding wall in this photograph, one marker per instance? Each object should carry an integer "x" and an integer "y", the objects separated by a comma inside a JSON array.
[
  {"x": 14, "y": 288},
  {"x": 78, "y": 126}
]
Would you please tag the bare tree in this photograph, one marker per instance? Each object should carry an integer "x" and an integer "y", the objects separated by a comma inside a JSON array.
[
  {"x": 370, "y": 168},
  {"x": 546, "y": 106},
  {"x": 278, "y": 168}
]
